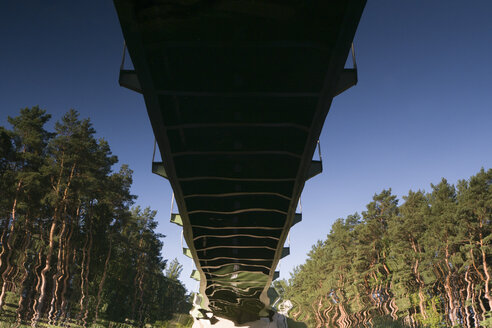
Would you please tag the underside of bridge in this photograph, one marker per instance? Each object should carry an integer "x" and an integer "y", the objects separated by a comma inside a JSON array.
[{"x": 237, "y": 92}]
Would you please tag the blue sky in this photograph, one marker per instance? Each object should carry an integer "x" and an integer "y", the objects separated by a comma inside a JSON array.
[{"x": 422, "y": 109}]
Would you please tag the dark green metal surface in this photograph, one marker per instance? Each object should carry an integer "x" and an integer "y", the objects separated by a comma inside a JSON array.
[{"x": 237, "y": 93}]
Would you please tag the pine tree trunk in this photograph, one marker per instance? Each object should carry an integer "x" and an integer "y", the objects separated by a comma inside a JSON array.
[
  {"x": 366, "y": 318},
  {"x": 464, "y": 309},
  {"x": 316, "y": 314},
  {"x": 6, "y": 245},
  {"x": 141, "y": 292},
  {"x": 66, "y": 265},
  {"x": 476, "y": 314},
  {"x": 32, "y": 295},
  {"x": 320, "y": 310},
  {"x": 51, "y": 245},
  {"x": 480, "y": 302},
  {"x": 449, "y": 289},
  {"x": 103, "y": 278},
  {"x": 482, "y": 278},
  {"x": 38, "y": 278},
  {"x": 327, "y": 311},
  {"x": 336, "y": 316},
  {"x": 44, "y": 271},
  {"x": 134, "y": 303},
  {"x": 57, "y": 276},
  {"x": 421, "y": 292},
  {"x": 25, "y": 247},
  {"x": 137, "y": 276},
  {"x": 386, "y": 304},
  {"x": 64, "y": 306},
  {"x": 387, "y": 290},
  {"x": 393, "y": 306},
  {"x": 6, "y": 273},
  {"x": 41, "y": 279},
  {"x": 82, "y": 278},
  {"x": 343, "y": 315},
  {"x": 342, "y": 321},
  {"x": 88, "y": 263},
  {"x": 485, "y": 269},
  {"x": 469, "y": 296}
]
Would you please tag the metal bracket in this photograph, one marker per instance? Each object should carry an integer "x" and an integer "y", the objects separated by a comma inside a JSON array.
[
  {"x": 315, "y": 169},
  {"x": 176, "y": 219},
  {"x": 129, "y": 79},
  {"x": 187, "y": 252},
  {"x": 348, "y": 78},
  {"x": 158, "y": 168},
  {"x": 316, "y": 165},
  {"x": 297, "y": 219},
  {"x": 195, "y": 275}
]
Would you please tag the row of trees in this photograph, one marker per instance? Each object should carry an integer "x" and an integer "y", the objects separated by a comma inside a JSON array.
[
  {"x": 425, "y": 263},
  {"x": 71, "y": 249}
]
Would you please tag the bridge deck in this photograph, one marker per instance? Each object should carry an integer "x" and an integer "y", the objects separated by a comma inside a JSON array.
[{"x": 237, "y": 92}]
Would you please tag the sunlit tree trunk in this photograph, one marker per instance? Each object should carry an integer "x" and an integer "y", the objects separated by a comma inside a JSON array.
[
  {"x": 84, "y": 268},
  {"x": 449, "y": 290},
  {"x": 419, "y": 280},
  {"x": 25, "y": 274},
  {"x": 6, "y": 244},
  {"x": 393, "y": 306},
  {"x": 336, "y": 315},
  {"x": 38, "y": 277},
  {"x": 69, "y": 252},
  {"x": 327, "y": 311},
  {"x": 89, "y": 250},
  {"x": 476, "y": 314},
  {"x": 103, "y": 278},
  {"x": 51, "y": 245},
  {"x": 58, "y": 274},
  {"x": 480, "y": 302},
  {"x": 485, "y": 268},
  {"x": 44, "y": 271}
]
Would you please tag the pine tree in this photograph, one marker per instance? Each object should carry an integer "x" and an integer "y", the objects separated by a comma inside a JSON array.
[
  {"x": 25, "y": 182},
  {"x": 174, "y": 269}
]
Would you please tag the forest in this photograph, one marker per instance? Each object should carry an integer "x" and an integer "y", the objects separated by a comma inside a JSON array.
[
  {"x": 74, "y": 248},
  {"x": 424, "y": 263}
]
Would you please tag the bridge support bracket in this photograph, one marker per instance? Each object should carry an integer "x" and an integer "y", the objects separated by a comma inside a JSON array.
[
  {"x": 187, "y": 252},
  {"x": 297, "y": 219},
  {"x": 315, "y": 169},
  {"x": 348, "y": 79},
  {"x": 195, "y": 275},
  {"x": 158, "y": 168},
  {"x": 129, "y": 79},
  {"x": 176, "y": 219}
]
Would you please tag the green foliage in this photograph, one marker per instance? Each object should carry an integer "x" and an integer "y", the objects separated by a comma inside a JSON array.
[
  {"x": 423, "y": 263},
  {"x": 73, "y": 251},
  {"x": 174, "y": 269},
  {"x": 387, "y": 322},
  {"x": 487, "y": 322}
]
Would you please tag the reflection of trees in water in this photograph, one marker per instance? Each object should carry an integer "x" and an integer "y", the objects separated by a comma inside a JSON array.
[
  {"x": 295, "y": 324},
  {"x": 71, "y": 249},
  {"x": 426, "y": 262}
]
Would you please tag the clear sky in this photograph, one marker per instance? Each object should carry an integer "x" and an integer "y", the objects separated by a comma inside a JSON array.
[{"x": 422, "y": 109}]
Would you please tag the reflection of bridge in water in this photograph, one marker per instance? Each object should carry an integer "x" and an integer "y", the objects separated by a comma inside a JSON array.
[{"x": 237, "y": 92}]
